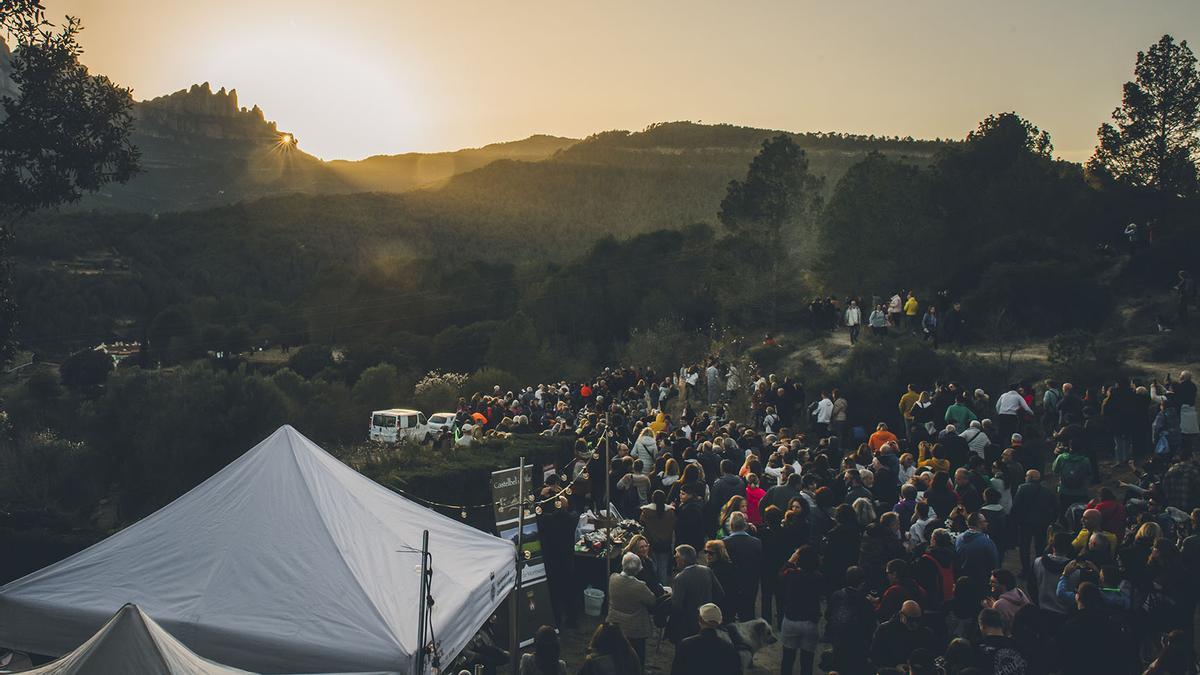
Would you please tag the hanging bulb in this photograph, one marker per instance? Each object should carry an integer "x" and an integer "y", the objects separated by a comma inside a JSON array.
[{"x": 463, "y": 514}]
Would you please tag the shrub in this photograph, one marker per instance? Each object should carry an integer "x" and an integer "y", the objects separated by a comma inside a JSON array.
[
  {"x": 88, "y": 368},
  {"x": 484, "y": 379},
  {"x": 310, "y": 360}
]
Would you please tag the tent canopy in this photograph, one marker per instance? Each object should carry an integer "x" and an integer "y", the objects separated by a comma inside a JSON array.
[
  {"x": 286, "y": 560},
  {"x": 132, "y": 643}
]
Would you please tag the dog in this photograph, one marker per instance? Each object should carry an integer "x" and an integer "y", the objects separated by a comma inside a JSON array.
[{"x": 748, "y": 637}]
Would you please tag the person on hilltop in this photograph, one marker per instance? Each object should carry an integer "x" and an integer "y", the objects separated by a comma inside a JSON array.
[
  {"x": 878, "y": 321},
  {"x": 912, "y": 309},
  {"x": 895, "y": 309},
  {"x": 853, "y": 320},
  {"x": 931, "y": 326}
]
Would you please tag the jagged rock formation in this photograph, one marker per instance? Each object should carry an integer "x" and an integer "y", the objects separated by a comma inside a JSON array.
[{"x": 8, "y": 88}]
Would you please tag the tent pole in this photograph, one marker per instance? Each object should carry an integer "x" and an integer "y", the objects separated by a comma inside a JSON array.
[
  {"x": 420, "y": 670},
  {"x": 514, "y": 630}
]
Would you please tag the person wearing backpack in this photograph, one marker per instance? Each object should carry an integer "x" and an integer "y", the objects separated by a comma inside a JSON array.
[
  {"x": 1074, "y": 471},
  {"x": 934, "y": 572}
]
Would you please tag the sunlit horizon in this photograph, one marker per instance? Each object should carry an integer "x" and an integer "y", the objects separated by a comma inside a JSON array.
[{"x": 375, "y": 77}]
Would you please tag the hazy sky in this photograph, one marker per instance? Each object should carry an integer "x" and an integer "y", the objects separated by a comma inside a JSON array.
[{"x": 361, "y": 77}]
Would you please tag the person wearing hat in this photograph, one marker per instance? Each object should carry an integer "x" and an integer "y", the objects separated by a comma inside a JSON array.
[{"x": 706, "y": 652}]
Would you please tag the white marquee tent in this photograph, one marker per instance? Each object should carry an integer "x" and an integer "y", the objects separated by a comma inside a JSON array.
[
  {"x": 286, "y": 560},
  {"x": 132, "y": 643}
]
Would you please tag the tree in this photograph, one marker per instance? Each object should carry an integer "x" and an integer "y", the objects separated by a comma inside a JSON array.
[
  {"x": 88, "y": 368},
  {"x": 1155, "y": 142},
  {"x": 65, "y": 134},
  {"x": 778, "y": 192}
]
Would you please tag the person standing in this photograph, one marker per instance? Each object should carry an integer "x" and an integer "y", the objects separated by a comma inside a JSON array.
[
  {"x": 609, "y": 653},
  {"x": 801, "y": 588},
  {"x": 853, "y": 320},
  {"x": 878, "y": 322},
  {"x": 911, "y": 310},
  {"x": 1034, "y": 508},
  {"x": 824, "y": 415},
  {"x": 850, "y": 623},
  {"x": 694, "y": 587},
  {"x": 705, "y": 651},
  {"x": 746, "y": 552},
  {"x": 907, "y": 400},
  {"x": 930, "y": 325},
  {"x": 631, "y": 603},
  {"x": 1009, "y": 408},
  {"x": 895, "y": 309},
  {"x": 658, "y": 519},
  {"x": 545, "y": 657},
  {"x": 840, "y": 415},
  {"x": 1185, "y": 289}
]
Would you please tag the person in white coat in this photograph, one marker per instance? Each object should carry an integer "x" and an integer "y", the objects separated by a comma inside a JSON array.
[
  {"x": 645, "y": 449},
  {"x": 853, "y": 320}
]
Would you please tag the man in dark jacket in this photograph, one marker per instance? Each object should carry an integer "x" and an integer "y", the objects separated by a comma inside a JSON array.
[
  {"x": 1088, "y": 641},
  {"x": 723, "y": 489},
  {"x": 780, "y": 495},
  {"x": 895, "y": 639},
  {"x": 746, "y": 552},
  {"x": 694, "y": 586},
  {"x": 1034, "y": 507},
  {"x": 850, "y": 623},
  {"x": 706, "y": 652},
  {"x": 977, "y": 553},
  {"x": 689, "y": 518}
]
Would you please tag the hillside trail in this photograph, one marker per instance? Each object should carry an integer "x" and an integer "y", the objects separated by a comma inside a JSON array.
[{"x": 832, "y": 350}]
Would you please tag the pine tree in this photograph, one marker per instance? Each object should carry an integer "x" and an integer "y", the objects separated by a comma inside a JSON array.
[{"x": 1155, "y": 142}]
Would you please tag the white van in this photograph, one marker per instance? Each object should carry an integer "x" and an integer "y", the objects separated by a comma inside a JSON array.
[{"x": 397, "y": 425}]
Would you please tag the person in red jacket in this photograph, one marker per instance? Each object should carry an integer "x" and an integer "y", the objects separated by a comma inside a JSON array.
[
  {"x": 754, "y": 495},
  {"x": 1112, "y": 512},
  {"x": 901, "y": 587}
]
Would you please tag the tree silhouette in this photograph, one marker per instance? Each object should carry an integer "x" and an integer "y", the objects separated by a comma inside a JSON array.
[
  {"x": 65, "y": 134},
  {"x": 778, "y": 192},
  {"x": 1155, "y": 142}
]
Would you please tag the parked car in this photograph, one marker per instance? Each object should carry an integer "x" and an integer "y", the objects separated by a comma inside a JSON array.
[
  {"x": 398, "y": 425},
  {"x": 443, "y": 421}
]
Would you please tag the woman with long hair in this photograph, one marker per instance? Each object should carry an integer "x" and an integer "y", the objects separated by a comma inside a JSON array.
[
  {"x": 722, "y": 568},
  {"x": 639, "y": 545},
  {"x": 658, "y": 519},
  {"x": 735, "y": 503},
  {"x": 609, "y": 653},
  {"x": 545, "y": 657}
]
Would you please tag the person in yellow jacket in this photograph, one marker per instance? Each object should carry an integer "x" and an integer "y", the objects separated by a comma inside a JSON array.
[
  {"x": 911, "y": 308},
  {"x": 907, "y": 401}
]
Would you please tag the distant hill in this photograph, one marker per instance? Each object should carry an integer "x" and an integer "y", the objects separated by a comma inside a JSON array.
[
  {"x": 200, "y": 149},
  {"x": 626, "y": 183}
]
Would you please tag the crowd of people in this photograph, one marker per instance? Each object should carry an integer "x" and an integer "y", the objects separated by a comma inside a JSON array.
[
  {"x": 940, "y": 320},
  {"x": 1045, "y": 529}
]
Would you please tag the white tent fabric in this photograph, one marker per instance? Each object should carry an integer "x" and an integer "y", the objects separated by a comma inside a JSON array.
[
  {"x": 286, "y": 560},
  {"x": 132, "y": 643}
]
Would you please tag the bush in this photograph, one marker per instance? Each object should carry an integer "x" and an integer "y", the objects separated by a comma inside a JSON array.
[
  {"x": 664, "y": 346},
  {"x": 379, "y": 387},
  {"x": 484, "y": 379},
  {"x": 88, "y": 368},
  {"x": 310, "y": 360},
  {"x": 1079, "y": 352}
]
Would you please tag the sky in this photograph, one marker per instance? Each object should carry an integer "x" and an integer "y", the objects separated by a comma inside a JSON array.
[{"x": 363, "y": 77}]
